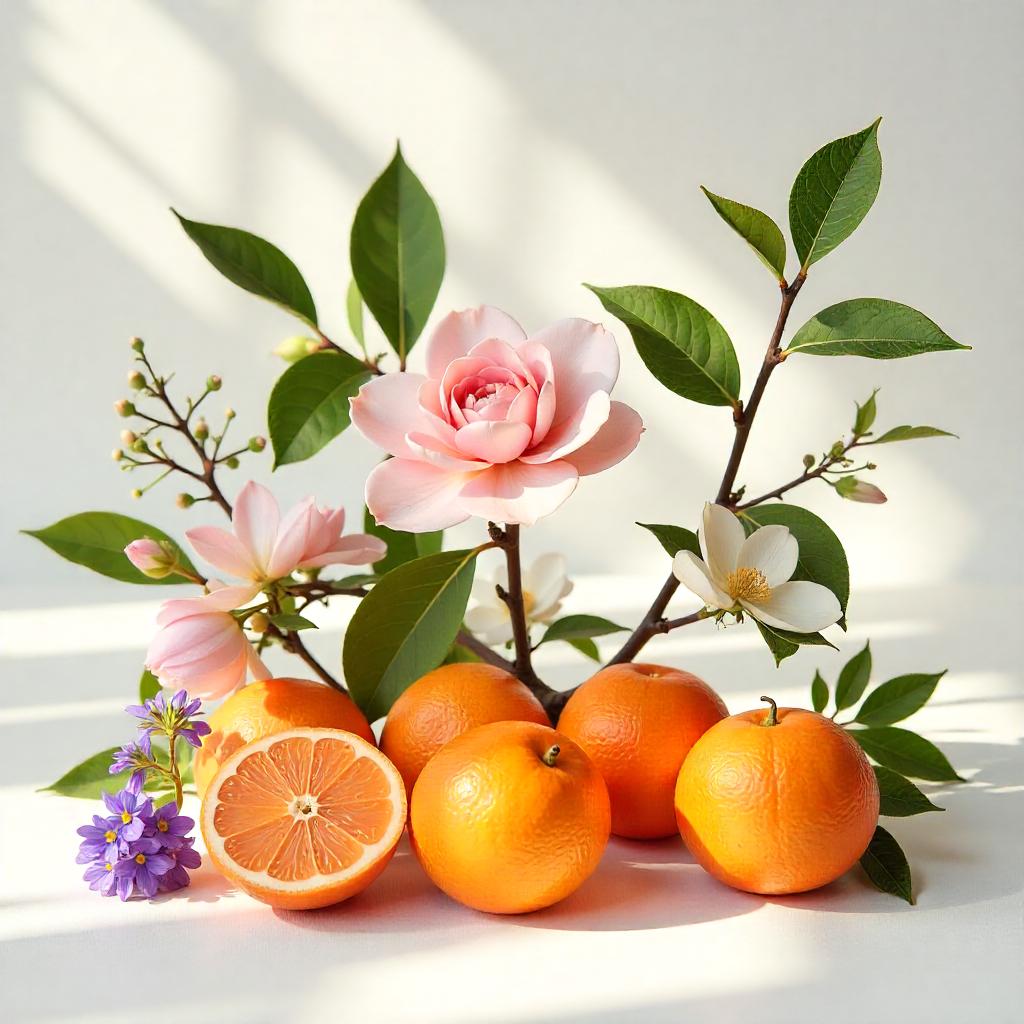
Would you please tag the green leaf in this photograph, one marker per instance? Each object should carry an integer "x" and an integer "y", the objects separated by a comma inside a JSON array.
[
  {"x": 674, "y": 538},
  {"x": 865, "y": 415},
  {"x": 291, "y": 622},
  {"x": 899, "y": 698},
  {"x": 358, "y": 579},
  {"x": 907, "y": 433},
  {"x": 309, "y": 404},
  {"x": 886, "y": 866},
  {"x": 402, "y": 547},
  {"x": 757, "y": 229},
  {"x": 90, "y": 779},
  {"x": 149, "y": 686},
  {"x": 681, "y": 343},
  {"x": 458, "y": 654},
  {"x": 587, "y": 648},
  {"x": 404, "y": 627},
  {"x": 819, "y": 693},
  {"x": 354, "y": 312},
  {"x": 853, "y": 680},
  {"x": 833, "y": 193},
  {"x": 822, "y": 558},
  {"x": 580, "y": 627},
  {"x": 906, "y": 753},
  {"x": 784, "y": 644},
  {"x": 398, "y": 254},
  {"x": 875, "y": 328},
  {"x": 254, "y": 264},
  {"x": 899, "y": 797},
  {"x": 97, "y": 540}
]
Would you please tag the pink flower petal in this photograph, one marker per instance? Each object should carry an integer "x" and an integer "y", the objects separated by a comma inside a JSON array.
[
  {"x": 518, "y": 493},
  {"x": 567, "y": 436},
  {"x": 387, "y": 408},
  {"x": 524, "y": 409},
  {"x": 613, "y": 442},
  {"x": 293, "y": 539},
  {"x": 501, "y": 353},
  {"x": 414, "y": 496},
  {"x": 492, "y": 441},
  {"x": 223, "y": 550},
  {"x": 584, "y": 358},
  {"x": 355, "y": 549},
  {"x": 431, "y": 450},
  {"x": 458, "y": 332},
  {"x": 255, "y": 519}
]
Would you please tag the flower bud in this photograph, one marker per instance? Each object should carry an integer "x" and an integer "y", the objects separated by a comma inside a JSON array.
[
  {"x": 858, "y": 490},
  {"x": 229, "y": 413},
  {"x": 231, "y": 463},
  {"x": 184, "y": 500},
  {"x": 128, "y": 437},
  {"x": 137, "y": 345},
  {"x": 297, "y": 347},
  {"x": 837, "y": 450},
  {"x": 201, "y": 429},
  {"x": 136, "y": 381},
  {"x": 117, "y": 455},
  {"x": 213, "y": 383},
  {"x": 124, "y": 408},
  {"x": 139, "y": 445},
  {"x": 153, "y": 558},
  {"x": 136, "y": 494},
  {"x": 257, "y": 444},
  {"x": 808, "y": 461},
  {"x": 259, "y": 623}
]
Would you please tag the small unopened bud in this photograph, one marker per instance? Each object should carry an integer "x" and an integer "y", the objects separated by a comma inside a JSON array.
[
  {"x": 808, "y": 461},
  {"x": 858, "y": 490},
  {"x": 837, "y": 449},
  {"x": 872, "y": 465},
  {"x": 137, "y": 345},
  {"x": 136, "y": 494},
  {"x": 297, "y": 347},
  {"x": 229, "y": 413},
  {"x": 136, "y": 381},
  {"x": 257, "y": 444},
  {"x": 117, "y": 455},
  {"x": 124, "y": 408},
  {"x": 231, "y": 463},
  {"x": 213, "y": 383},
  {"x": 259, "y": 623},
  {"x": 139, "y": 445},
  {"x": 128, "y": 437},
  {"x": 153, "y": 558},
  {"x": 184, "y": 500},
  {"x": 201, "y": 429}
]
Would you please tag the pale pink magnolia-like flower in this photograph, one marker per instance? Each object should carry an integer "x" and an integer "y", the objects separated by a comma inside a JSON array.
[
  {"x": 200, "y": 646},
  {"x": 264, "y": 546},
  {"x": 860, "y": 490},
  {"x": 502, "y": 426},
  {"x": 153, "y": 558}
]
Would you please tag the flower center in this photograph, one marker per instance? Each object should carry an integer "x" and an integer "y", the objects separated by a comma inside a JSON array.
[
  {"x": 140, "y": 858},
  {"x": 110, "y": 835},
  {"x": 528, "y": 602},
  {"x": 162, "y": 825},
  {"x": 125, "y": 817},
  {"x": 748, "y": 585},
  {"x": 108, "y": 866}
]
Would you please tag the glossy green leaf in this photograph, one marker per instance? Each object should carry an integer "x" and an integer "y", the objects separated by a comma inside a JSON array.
[
  {"x": 402, "y": 547},
  {"x": 899, "y": 797},
  {"x": 358, "y": 579},
  {"x": 354, "y": 313},
  {"x": 459, "y": 654},
  {"x": 90, "y": 779},
  {"x": 784, "y": 644},
  {"x": 907, "y": 433},
  {"x": 149, "y": 686},
  {"x": 819, "y": 693},
  {"x": 853, "y": 680},
  {"x": 291, "y": 622},
  {"x": 580, "y": 627},
  {"x": 886, "y": 866},
  {"x": 822, "y": 558},
  {"x": 405, "y": 626},
  {"x": 865, "y": 415},
  {"x": 97, "y": 540},
  {"x": 398, "y": 254},
  {"x": 309, "y": 404},
  {"x": 899, "y": 698},
  {"x": 586, "y": 647},
  {"x": 833, "y": 193},
  {"x": 674, "y": 538},
  {"x": 906, "y": 753},
  {"x": 757, "y": 229},
  {"x": 254, "y": 264},
  {"x": 875, "y": 328},
  {"x": 680, "y": 342}
]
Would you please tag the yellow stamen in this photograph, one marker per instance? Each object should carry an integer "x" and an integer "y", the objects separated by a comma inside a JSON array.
[
  {"x": 162, "y": 825},
  {"x": 109, "y": 866},
  {"x": 748, "y": 585},
  {"x": 110, "y": 835},
  {"x": 125, "y": 817},
  {"x": 140, "y": 858}
]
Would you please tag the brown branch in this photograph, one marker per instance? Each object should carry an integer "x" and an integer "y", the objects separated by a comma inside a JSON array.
[
  {"x": 326, "y": 343},
  {"x": 482, "y": 651}
]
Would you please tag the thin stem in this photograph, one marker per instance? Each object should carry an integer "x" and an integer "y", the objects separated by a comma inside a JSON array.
[
  {"x": 513, "y": 597},
  {"x": 482, "y": 651},
  {"x": 370, "y": 364},
  {"x": 175, "y": 774}
]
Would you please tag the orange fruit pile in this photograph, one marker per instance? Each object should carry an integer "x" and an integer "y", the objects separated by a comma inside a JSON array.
[
  {"x": 638, "y": 723},
  {"x": 509, "y": 817},
  {"x": 304, "y": 818},
  {"x": 777, "y": 803}
]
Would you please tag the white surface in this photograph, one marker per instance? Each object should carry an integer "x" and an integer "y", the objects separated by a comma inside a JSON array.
[{"x": 650, "y": 937}]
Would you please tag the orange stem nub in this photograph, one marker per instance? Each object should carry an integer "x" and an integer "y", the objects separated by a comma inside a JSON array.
[
  {"x": 772, "y": 718},
  {"x": 551, "y": 755}
]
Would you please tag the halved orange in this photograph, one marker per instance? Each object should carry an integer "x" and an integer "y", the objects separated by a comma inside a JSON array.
[{"x": 304, "y": 818}]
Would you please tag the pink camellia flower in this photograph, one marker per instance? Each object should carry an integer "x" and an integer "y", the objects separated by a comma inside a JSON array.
[
  {"x": 502, "y": 426},
  {"x": 264, "y": 546},
  {"x": 200, "y": 645},
  {"x": 153, "y": 558}
]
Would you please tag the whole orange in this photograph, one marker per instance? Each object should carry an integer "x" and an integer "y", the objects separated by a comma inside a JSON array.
[
  {"x": 270, "y": 706},
  {"x": 509, "y": 817},
  {"x": 777, "y": 802},
  {"x": 446, "y": 703},
  {"x": 638, "y": 723}
]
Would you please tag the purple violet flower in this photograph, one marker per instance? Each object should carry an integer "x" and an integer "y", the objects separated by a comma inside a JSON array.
[
  {"x": 184, "y": 857},
  {"x": 168, "y": 826},
  {"x": 142, "y": 867},
  {"x": 101, "y": 840},
  {"x": 135, "y": 756},
  {"x": 171, "y": 717},
  {"x": 103, "y": 879},
  {"x": 129, "y": 809}
]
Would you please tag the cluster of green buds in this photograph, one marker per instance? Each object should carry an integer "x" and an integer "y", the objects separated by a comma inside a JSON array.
[{"x": 143, "y": 445}]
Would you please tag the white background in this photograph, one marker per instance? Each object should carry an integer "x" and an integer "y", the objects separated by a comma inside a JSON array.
[{"x": 563, "y": 142}]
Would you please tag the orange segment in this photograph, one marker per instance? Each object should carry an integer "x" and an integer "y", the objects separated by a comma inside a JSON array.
[{"x": 304, "y": 818}]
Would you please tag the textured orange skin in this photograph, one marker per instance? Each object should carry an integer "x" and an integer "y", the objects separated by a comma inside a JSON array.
[
  {"x": 777, "y": 809},
  {"x": 312, "y": 899},
  {"x": 269, "y": 706},
  {"x": 501, "y": 831},
  {"x": 446, "y": 703},
  {"x": 638, "y": 723}
]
